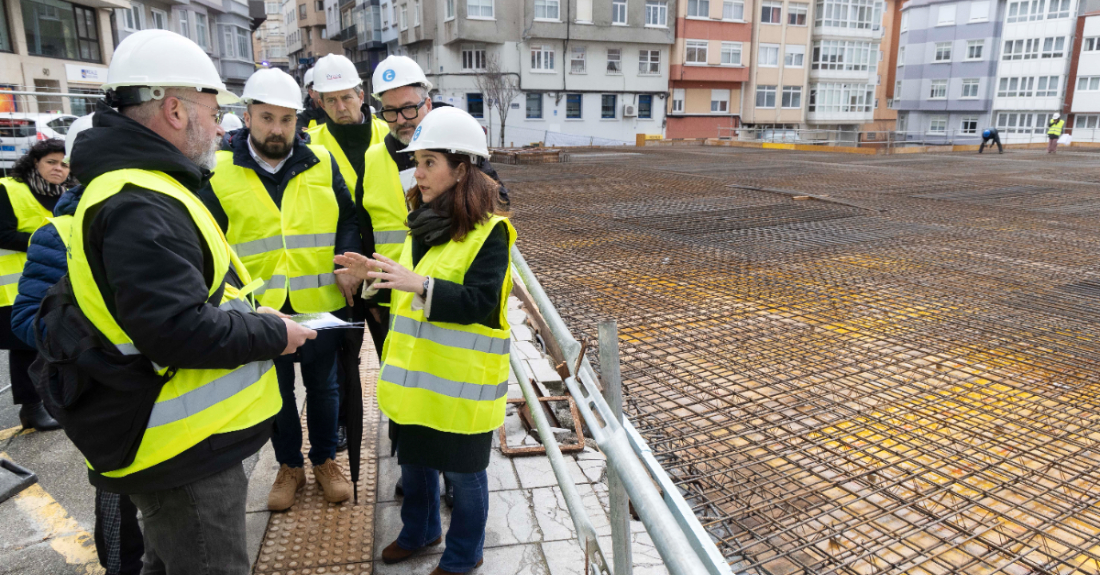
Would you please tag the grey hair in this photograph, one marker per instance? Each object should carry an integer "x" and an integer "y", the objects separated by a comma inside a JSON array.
[
  {"x": 421, "y": 92},
  {"x": 143, "y": 113}
]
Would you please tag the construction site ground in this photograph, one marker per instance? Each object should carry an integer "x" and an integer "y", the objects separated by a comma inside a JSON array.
[{"x": 849, "y": 364}]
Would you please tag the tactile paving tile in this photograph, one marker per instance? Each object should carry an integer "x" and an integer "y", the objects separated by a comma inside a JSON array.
[{"x": 315, "y": 537}]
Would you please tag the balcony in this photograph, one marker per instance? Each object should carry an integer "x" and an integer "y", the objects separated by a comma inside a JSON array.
[{"x": 344, "y": 35}]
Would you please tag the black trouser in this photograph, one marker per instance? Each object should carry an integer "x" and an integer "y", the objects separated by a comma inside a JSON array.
[
  {"x": 118, "y": 538},
  {"x": 20, "y": 358},
  {"x": 996, "y": 140}
]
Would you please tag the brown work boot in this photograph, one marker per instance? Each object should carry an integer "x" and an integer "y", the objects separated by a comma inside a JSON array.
[
  {"x": 333, "y": 484},
  {"x": 287, "y": 483},
  {"x": 393, "y": 553},
  {"x": 441, "y": 571}
]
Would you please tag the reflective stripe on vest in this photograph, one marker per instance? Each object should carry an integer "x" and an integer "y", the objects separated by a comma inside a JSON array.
[
  {"x": 447, "y": 376},
  {"x": 296, "y": 240},
  {"x": 195, "y": 403},
  {"x": 384, "y": 200},
  {"x": 29, "y": 215}
]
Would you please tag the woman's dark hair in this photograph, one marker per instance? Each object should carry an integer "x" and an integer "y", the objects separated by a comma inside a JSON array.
[
  {"x": 25, "y": 165},
  {"x": 474, "y": 199}
]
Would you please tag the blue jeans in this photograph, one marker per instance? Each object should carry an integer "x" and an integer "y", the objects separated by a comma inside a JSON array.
[
  {"x": 420, "y": 515},
  {"x": 318, "y": 361}
]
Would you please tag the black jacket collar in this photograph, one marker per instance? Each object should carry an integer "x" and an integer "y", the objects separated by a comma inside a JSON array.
[{"x": 302, "y": 159}]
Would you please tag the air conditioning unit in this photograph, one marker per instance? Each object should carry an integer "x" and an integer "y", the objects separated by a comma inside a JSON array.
[{"x": 630, "y": 110}]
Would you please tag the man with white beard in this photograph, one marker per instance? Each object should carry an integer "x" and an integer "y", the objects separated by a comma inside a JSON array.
[{"x": 179, "y": 387}]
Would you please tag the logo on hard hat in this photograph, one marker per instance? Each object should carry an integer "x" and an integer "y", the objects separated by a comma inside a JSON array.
[
  {"x": 389, "y": 75},
  {"x": 416, "y": 134},
  {"x": 333, "y": 76}
]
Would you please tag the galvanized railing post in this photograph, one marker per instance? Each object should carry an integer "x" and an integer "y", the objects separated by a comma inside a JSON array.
[{"x": 617, "y": 499}]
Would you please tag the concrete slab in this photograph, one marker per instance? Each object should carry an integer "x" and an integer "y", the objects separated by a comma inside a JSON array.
[
  {"x": 536, "y": 472},
  {"x": 525, "y": 559}
]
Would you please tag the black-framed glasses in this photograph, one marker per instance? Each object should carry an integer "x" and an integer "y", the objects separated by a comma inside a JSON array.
[
  {"x": 390, "y": 115},
  {"x": 218, "y": 113}
]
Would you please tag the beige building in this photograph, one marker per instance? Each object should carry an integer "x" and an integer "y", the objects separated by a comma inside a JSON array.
[
  {"x": 269, "y": 39},
  {"x": 776, "y": 91},
  {"x": 55, "y": 46},
  {"x": 307, "y": 35}
]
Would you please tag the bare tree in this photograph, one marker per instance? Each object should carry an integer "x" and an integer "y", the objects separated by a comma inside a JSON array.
[{"x": 498, "y": 87}]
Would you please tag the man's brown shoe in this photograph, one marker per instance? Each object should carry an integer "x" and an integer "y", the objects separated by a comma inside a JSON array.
[
  {"x": 441, "y": 571},
  {"x": 393, "y": 553},
  {"x": 334, "y": 485},
  {"x": 287, "y": 483}
]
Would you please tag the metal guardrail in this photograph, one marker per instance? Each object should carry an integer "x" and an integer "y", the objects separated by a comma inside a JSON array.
[{"x": 681, "y": 541}]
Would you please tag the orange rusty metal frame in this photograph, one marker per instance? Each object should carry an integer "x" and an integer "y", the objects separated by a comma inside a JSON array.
[{"x": 539, "y": 449}]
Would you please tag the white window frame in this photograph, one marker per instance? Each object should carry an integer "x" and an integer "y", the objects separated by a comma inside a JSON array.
[
  {"x": 132, "y": 19},
  {"x": 448, "y": 12},
  {"x": 184, "y": 24},
  {"x": 937, "y": 120},
  {"x": 162, "y": 14},
  {"x": 646, "y": 60},
  {"x": 542, "y": 59},
  {"x": 762, "y": 61},
  {"x": 771, "y": 5},
  {"x": 244, "y": 43},
  {"x": 904, "y": 22},
  {"x": 979, "y": 11},
  {"x": 722, "y": 99},
  {"x": 1057, "y": 47},
  {"x": 474, "y": 55},
  {"x": 796, "y": 9},
  {"x": 578, "y": 54},
  {"x": 1091, "y": 44},
  {"x": 901, "y": 56},
  {"x": 403, "y": 18},
  {"x": 698, "y": 48},
  {"x": 1052, "y": 89},
  {"x": 975, "y": 84},
  {"x": 229, "y": 42},
  {"x": 732, "y": 5},
  {"x": 765, "y": 91},
  {"x": 656, "y": 13},
  {"x": 546, "y": 6},
  {"x": 970, "y": 45},
  {"x": 794, "y": 56},
  {"x": 701, "y": 9},
  {"x": 942, "y": 49},
  {"x": 527, "y": 105},
  {"x": 678, "y": 97},
  {"x": 481, "y": 7},
  {"x": 580, "y": 20},
  {"x": 973, "y": 120},
  {"x": 792, "y": 91},
  {"x": 945, "y": 15},
  {"x": 619, "y": 8},
  {"x": 937, "y": 90},
  {"x": 202, "y": 36},
  {"x": 614, "y": 55},
  {"x": 731, "y": 48},
  {"x": 416, "y": 13}
]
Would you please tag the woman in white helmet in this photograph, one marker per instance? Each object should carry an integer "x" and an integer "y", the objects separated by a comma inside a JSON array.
[{"x": 444, "y": 378}]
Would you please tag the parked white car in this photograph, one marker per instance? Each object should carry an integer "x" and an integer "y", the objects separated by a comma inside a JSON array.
[{"x": 19, "y": 131}]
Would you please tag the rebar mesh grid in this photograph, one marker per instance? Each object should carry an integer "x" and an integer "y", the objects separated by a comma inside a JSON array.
[{"x": 899, "y": 376}]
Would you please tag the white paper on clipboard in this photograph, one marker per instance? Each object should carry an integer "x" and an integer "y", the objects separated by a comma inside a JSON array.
[
  {"x": 318, "y": 320},
  {"x": 407, "y": 179}
]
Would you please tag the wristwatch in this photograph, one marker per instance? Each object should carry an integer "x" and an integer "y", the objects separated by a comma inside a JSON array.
[{"x": 426, "y": 281}]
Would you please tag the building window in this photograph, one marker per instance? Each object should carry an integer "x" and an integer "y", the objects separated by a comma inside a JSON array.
[
  {"x": 1016, "y": 87},
  {"x": 60, "y": 30},
  {"x": 969, "y": 88},
  {"x": 133, "y": 18},
  {"x": 794, "y": 55},
  {"x": 1058, "y": 9},
  {"x": 473, "y": 58},
  {"x": 856, "y": 14},
  {"x": 979, "y": 11},
  {"x": 901, "y": 56},
  {"x": 969, "y": 125},
  {"x": 403, "y": 18},
  {"x": 974, "y": 49},
  {"x": 5, "y": 35},
  {"x": 416, "y": 13},
  {"x": 1021, "y": 49},
  {"x": 618, "y": 12},
  {"x": 733, "y": 10},
  {"x": 584, "y": 11},
  {"x": 1027, "y": 10},
  {"x": 649, "y": 62},
  {"x": 946, "y": 15},
  {"x": 1090, "y": 44},
  {"x": 698, "y": 8},
  {"x": 796, "y": 14},
  {"x": 1054, "y": 47},
  {"x": 656, "y": 13},
  {"x": 542, "y": 58},
  {"x": 160, "y": 19},
  {"x": 1022, "y": 122},
  {"x": 943, "y": 52},
  {"x": 771, "y": 12},
  {"x": 185, "y": 26},
  {"x": 534, "y": 105},
  {"x": 731, "y": 53},
  {"x": 792, "y": 96},
  {"x": 768, "y": 55},
  {"x": 548, "y": 10},
  {"x": 720, "y": 101},
  {"x": 939, "y": 90},
  {"x": 645, "y": 107},
  {"x": 938, "y": 125},
  {"x": 677, "y": 100},
  {"x": 201, "y": 31},
  {"x": 765, "y": 97},
  {"x": 475, "y": 105},
  {"x": 607, "y": 106},
  {"x": 614, "y": 61},
  {"x": 1087, "y": 121},
  {"x": 227, "y": 42},
  {"x": 904, "y": 21},
  {"x": 479, "y": 8},
  {"x": 577, "y": 60},
  {"x": 448, "y": 9},
  {"x": 897, "y": 89},
  {"x": 696, "y": 51},
  {"x": 573, "y": 106},
  {"x": 846, "y": 55},
  {"x": 1048, "y": 87}
]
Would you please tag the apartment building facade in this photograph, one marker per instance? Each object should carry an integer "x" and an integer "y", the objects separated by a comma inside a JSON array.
[
  {"x": 1083, "y": 87},
  {"x": 709, "y": 67},
  {"x": 55, "y": 46},
  {"x": 885, "y": 116},
  {"x": 269, "y": 39},
  {"x": 1033, "y": 71},
  {"x": 947, "y": 67},
  {"x": 306, "y": 35},
  {"x": 776, "y": 94}
]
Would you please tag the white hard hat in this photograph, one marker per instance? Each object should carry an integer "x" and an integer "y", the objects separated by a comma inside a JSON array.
[
  {"x": 154, "y": 59},
  {"x": 452, "y": 130},
  {"x": 1057, "y": 115},
  {"x": 398, "y": 71},
  {"x": 232, "y": 122},
  {"x": 273, "y": 86},
  {"x": 79, "y": 125},
  {"x": 309, "y": 77},
  {"x": 335, "y": 73}
]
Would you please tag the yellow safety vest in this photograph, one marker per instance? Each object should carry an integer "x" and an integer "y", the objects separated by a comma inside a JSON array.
[
  {"x": 446, "y": 376},
  {"x": 30, "y": 216},
  {"x": 196, "y": 403},
  {"x": 321, "y": 136},
  {"x": 384, "y": 199},
  {"x": 289, "y": 246},
  {"x": 1056, "y": 128}
]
